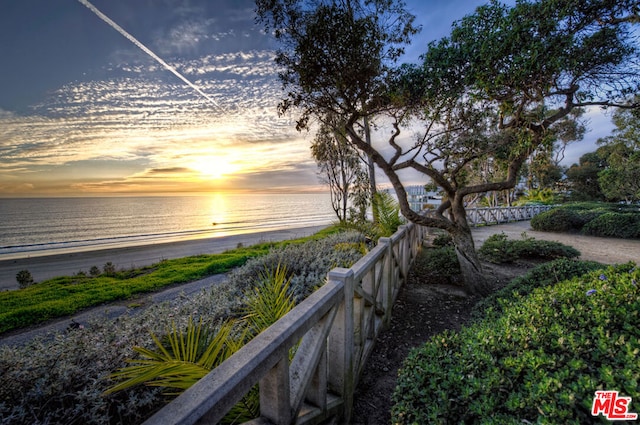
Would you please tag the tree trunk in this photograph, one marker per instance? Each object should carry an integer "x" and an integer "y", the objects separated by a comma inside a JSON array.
[
  {"x": 473, "y": 276},
  {"x": 372, "y": 169}
]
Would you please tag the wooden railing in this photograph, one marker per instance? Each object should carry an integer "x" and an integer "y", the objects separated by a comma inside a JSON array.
[
  {"x": 333, "y": 332},
  {"x": 498, "y": 215}
]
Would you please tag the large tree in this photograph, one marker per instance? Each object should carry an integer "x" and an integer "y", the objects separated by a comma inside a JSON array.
[{"x": 495, "y": 88}]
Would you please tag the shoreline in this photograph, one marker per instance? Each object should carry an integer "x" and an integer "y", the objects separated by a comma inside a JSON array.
[{"x": 45, "y": 266}]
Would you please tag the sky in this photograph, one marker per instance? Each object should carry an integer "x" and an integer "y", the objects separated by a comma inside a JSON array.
[{"x": 103, "y": 97}]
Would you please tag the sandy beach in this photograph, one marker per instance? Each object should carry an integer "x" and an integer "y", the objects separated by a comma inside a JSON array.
[{"x": 44, "y": 267}]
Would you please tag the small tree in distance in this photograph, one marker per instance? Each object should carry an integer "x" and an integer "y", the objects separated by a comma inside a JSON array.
[{"x": 342, "y": 170}]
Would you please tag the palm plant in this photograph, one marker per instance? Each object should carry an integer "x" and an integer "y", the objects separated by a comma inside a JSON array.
[
  {"x": 182, "y": 358},
  {"x": 387, "y": 210},
  {"x": 268, "y": 301}
]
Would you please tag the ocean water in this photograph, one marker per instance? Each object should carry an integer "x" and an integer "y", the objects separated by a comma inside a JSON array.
[{"x": 38, "y": 224}]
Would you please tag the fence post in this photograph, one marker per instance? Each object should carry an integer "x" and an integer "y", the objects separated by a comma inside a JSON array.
[
  {"x": 341, "y": 373},
  {"x": 388, "y": 290}
]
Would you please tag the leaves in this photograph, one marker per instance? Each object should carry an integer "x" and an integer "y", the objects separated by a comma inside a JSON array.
[{"x": 182, "y": 359}]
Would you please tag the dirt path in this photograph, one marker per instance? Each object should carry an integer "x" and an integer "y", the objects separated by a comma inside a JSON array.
[
  {"x": 424, "y": 310},
  {"x": 603, "y": 250}
]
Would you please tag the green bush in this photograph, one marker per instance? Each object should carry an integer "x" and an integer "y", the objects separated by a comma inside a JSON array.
[
  {"x": 557, "y": 220},
  {"x": 614, "y": 225},
  {"x": 498, "y": 249},
  {"x": 440, "y": 263},
  {"x": 25, "y": 279},
  {"x": 540, "y": 362},
  {"x": 546, "y": 274},
  {"x": 443, "y": 239}
]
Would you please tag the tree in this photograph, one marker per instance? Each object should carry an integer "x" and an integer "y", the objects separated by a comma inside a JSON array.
[
  {"x": 583, "y": 177},
  {"x": 497, "y": 87},
  {"x": 620, "y": 178},
  {"x": 620, "y": 181},
  {"x": 341, "y": 169}
]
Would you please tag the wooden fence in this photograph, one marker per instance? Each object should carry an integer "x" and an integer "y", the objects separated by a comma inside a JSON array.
[
  {"x": 333, "y": 332},
  {"x": 499, "y": 215}
]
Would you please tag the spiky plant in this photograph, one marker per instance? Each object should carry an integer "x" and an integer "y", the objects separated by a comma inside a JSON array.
[
  {"x": 388, "y": 212},
  {"x": 268, "y": 301},
  {"x": 182, "y": 358}
]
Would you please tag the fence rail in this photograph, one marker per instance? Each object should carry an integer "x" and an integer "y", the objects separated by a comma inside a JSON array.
[
  {"x": 333, "y": 332},
  {"x": 499, "y": 215}
]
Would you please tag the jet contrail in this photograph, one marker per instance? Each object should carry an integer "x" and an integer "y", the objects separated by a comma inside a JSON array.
[{"x": 147, "y": 51}]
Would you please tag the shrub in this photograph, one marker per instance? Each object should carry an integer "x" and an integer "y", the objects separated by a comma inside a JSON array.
[
  {"x": 62, "y": 379},
  {"x": 557, "y": 220},
  {"x": 308, "y": 264},
  {"x": 498, "y": 249},
  {"x": 109, "y": 269},
  {"x": 440, "y": 262},
  {"x": 24, "y": 278},
  {"x": 443, "y": 239},
  {"x": 614, "y": 225},
  {"x": 540, "y": 361},
  {"x": 546, "y": 274},
  {"x": 94, "y": 271}
]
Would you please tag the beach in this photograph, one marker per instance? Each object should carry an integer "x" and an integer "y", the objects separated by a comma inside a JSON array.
[{"x": 43, "y": 265}]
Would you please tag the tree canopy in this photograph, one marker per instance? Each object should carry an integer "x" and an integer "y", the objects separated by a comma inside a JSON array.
[{"x": 506, "y": 84}]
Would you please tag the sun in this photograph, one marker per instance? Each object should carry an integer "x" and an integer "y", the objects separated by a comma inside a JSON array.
[{"x": 214, "y": 167}]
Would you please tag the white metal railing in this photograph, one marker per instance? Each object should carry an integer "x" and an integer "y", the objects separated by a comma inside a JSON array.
[
  {"x": 333, "y": 330},
  {"x": 498, "y": 215}
]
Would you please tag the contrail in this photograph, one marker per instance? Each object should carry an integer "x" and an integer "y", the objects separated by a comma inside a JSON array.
[{"x": 148, "y": 51}]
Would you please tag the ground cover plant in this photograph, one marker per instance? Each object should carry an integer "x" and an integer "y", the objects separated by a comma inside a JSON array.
[
  {"x": 499, "y": 249},
  {"x": 541, "y": 276},
  {"x": 67, "y": 295},
  {"x": 63, "y": 379},
  {"x": 539, "y": 361},
  {"x": 591, "y": 218}
]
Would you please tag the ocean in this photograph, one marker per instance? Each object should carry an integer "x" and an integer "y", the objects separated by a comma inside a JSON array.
[{"x": 49, "y": 224}]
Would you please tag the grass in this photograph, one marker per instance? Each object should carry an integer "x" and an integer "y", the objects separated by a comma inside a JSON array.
[{"x": 67, "y": 295}]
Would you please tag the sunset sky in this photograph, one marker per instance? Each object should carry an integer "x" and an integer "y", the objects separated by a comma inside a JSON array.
[{"x": 186, "y": 102}]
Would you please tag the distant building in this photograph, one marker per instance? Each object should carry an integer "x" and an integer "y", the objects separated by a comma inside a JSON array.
[{"x": 419, "y": 198}]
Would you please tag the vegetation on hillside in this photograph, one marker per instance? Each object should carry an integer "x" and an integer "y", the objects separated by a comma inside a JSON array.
[
  {"x": 63, "y": 380},
  {"x": 539, "y": 359},
  {"x": 593, "y": 219}
]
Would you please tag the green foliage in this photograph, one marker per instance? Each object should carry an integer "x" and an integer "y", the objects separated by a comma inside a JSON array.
[
  {"x": 591, "y": 218},
  {"x": 498, "y": 249},
  {"x": 184, "y": 358},
  {"x": 109, "y": 269},
  {"x": 60, "y": 378},
  {"x": 341, "y": 169},
  {"x": 544, "y": 196},
  {"x": 614, "y": 225},
  {"x": 540, "y": 361},
  {"x": 24, "y": 278},
  {"x": 557, "y": 220},
  {"x": 387, "y": 210},
  {"x": 443, "y": 239},
  {"x": 307, "y": 264},
  {"x": 440, "y": 262},
  {"x": 268, "y": 301},
  {"x": 546, "y": 274},
  {"x": 66, "y": 295},
  {"x": 181, "y": 358}
]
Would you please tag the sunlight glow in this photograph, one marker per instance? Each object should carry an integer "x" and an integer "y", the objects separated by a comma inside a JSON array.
[{"x": 214, "y": 167}]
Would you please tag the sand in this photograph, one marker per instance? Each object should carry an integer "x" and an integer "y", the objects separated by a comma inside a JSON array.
[{"x": 56, "y": 264}]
